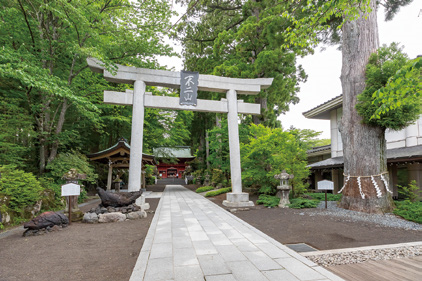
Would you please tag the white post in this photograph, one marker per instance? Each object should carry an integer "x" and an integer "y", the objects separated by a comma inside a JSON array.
[
  {"x": 234, "y": 147},
  {"x": 236, "y": 198},
  {"x": 109, "y": 178},
  {"x": 137, "y": 135}
]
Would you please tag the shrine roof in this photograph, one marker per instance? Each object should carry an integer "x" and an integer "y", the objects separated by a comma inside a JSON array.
[
  {"x": 176, "y": 152},
  {"x": 119, "y": 150}
]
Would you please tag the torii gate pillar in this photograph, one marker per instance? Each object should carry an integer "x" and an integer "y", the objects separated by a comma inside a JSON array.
[
  {"x": 139, "y": 99},
  {"x": 137, "y": 136},
  {"x": 236, "y": 198}
]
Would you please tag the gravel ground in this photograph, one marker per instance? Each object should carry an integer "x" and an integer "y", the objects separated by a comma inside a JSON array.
[
  {"x": 366, "y": 255},
  {"x": 388, "y": 220}
]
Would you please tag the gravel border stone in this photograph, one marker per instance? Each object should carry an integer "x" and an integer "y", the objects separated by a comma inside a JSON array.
[
  {"x": 365, "y": 255},
  {"x": 387, "y": 220}
]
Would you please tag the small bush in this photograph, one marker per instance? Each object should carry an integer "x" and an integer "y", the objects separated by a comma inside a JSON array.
[
  {"x": 301, "y": 203},
  {"x": 50, "y": 187},
  {"x": 71, "y": 160},
  {"x": 218, "y": 192},
  {"x": 268, "y": 200},
  {"x": 204, "y": 188},
  {"x": 22, "y": 189},
  {"x": 411, "y": 211},
  {"x": 321, "y": 196},
  {"x": 410, "y": 192},
  {"x": 217, "y": 176}
]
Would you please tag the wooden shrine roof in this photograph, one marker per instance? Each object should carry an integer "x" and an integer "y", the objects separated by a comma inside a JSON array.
[{"x": 119, "y": 155}]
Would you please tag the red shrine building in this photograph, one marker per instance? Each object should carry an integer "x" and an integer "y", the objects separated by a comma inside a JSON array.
[{"x": 172, "y": 161}]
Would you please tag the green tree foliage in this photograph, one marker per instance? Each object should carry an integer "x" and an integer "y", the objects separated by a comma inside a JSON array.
[
  {"x": 43, "y": 58},
  {"x": 71, "y": 160},
  {"x": 242, "y": 39},
  {"x": 16, "y": 140},
  {"x": 22, "y": 190},
  {"x": 268, "y": 152},
  {"x": 219, "y": 157},
  {"x": 386, "y": 76}
]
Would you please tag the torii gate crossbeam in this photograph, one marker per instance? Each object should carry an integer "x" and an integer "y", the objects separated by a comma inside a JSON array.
[{"x": 139, "y": 99}]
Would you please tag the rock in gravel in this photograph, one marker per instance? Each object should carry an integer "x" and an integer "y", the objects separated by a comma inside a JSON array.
[
  {"x": 90, "y": 218},
  {"x": 136, "y": 215},
  {"x": 111, "y": 217}
]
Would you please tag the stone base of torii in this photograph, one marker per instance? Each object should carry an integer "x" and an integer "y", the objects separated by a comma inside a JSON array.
[{"x": 139, "y": 99}]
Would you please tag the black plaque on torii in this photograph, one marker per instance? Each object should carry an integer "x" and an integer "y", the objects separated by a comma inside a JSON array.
[{"x": 188, "y": 87}]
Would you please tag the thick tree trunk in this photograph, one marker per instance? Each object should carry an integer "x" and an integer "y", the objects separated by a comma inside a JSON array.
[
  {"x": 363, "y": 146},
  {"x": 258, "y": 119},
  {"x": 59, "y": 128}
]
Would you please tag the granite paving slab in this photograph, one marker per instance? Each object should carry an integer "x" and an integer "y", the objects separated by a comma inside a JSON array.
[{"x": 191, "y": 238}]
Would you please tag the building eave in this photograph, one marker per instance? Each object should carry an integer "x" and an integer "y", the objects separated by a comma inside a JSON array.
[{"x": 322, "y": 111}]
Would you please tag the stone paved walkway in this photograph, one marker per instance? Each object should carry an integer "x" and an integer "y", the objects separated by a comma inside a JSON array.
[{"x": 191, "y": 238}]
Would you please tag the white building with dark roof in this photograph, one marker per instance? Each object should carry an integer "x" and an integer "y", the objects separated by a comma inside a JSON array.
[{"x": 404, "y": 150}]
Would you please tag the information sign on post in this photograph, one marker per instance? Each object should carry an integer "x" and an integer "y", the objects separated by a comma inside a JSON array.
[
  {"x": 325, "y": 185},
  {"x": 70, "y": 190},
  {"x": 188, "y": 87}
]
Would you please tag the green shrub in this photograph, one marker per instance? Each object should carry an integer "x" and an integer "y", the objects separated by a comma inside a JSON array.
[
  {"x": 321, "y": 196},
  {"x": 204, "y": 188},
  {"x": 217, "y": 176},
  {"x": 411, "y": 211},
  {"x": 410, "y": 192},
  {"x": 71, "y": 160},
  {"x": 50, "y": 187},
  {"x": 149, "y": 175},
  {"x": 218, "y": 192},
  {"x": 268, "y": 200},
  {"x": 22, "y": 189},
  {"x": 301, "y": 203}
]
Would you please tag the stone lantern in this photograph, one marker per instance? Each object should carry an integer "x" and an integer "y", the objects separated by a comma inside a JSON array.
[
  {"x": 283, "y": 188},
  {"x": 207, "y": 180}
]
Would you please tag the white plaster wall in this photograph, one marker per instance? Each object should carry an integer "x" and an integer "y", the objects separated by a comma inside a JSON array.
[
  {"x": 334, "y": 129},
  {"x": 395, "y": 139},
  {"x": 420, "y": 131},
  {"x": 336, "y": 143},
  {"x": 410, "y": 136}
]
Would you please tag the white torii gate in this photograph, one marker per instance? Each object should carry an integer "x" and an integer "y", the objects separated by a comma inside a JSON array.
[{"x": 139, "y": 99}]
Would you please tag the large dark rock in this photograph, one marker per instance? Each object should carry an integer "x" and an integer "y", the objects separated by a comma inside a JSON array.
[
  {"x": 119, "y": 199},
  {"x": 46, "y": 219}
]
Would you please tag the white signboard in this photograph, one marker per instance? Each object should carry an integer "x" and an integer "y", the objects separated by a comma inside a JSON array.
[
  {"x": 325, "y": 185},
  {"x": 71, "y": 189}
]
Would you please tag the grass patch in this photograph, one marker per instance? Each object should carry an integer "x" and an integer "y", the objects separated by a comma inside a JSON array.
[
  {"x": 204, "y": 188},
  {"x": 301, "y": 203},
  {"x": 321, "y": 196},
  {"x": 268, "y": 200},
  {"x": 218, "y": 192},
  {"x": 411, "y": 211}
]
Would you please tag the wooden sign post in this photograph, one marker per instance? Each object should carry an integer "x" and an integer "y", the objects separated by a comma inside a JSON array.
[
  {"x": 70, "y": 190},
  {"x": 325, "y": 185}
]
